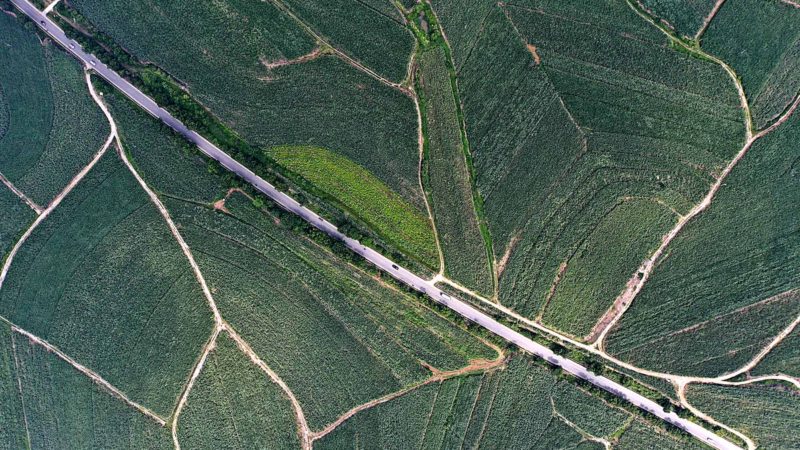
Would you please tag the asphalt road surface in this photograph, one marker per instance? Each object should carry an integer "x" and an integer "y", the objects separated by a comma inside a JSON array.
[{"x": 385, "y": 264}]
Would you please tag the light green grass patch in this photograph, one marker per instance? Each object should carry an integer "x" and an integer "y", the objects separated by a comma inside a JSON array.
[{"x": 364, "y": 196}]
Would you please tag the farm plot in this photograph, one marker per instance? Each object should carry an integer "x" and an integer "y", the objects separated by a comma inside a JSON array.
[
  {"x": 270, "y": 82},
  {"x": 761, "y": 41},
  {"x": 337, "y": 336},
  {"x": 448, "y": 179},
  {"x": 519, "y": 406},
  {"x": 737, "y": 262},
  {"x": 640, "y": 436},
  {"x": 55, "y": 406},
  {"x": 52, "y": 127},
  {"x": 15, "y": 215},
  {"x": 364, "y": 196},
  {"x": 685, "y": 18},
  {"x": 375, "y": 37},
  {"x": 582, "y": 119},
  {"x": 103, "y": 280},
  {"x": 235, "y": 405},
  {"x": 783, "y": 359},
  {"x": 767, "y": 414}
]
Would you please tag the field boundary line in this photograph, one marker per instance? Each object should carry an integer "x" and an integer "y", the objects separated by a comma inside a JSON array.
[
  {"x": 479, "y": 366},
  {"x": 708, "y": 19},
  {"x": 20, "y": 194},
  {"x": 585, "y": 434},
  {"x": 304, "y": 430},
  {"x": 96, "y": 378},
  {"x": 198, "y": 368},
  {"x": 681, "y": 391},
  {"x": 57, "y": 200},
  {"x": 19, "y": 386},
  {"x": 341, "y": 54}
]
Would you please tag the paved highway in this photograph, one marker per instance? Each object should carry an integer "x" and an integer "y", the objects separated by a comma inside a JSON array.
[{"x": 369, "y": 254}]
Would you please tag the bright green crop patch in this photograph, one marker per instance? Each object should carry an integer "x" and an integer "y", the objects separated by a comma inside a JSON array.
[
  {"x": 761, "y": 41},
  {"x": 448, "y": 178},
  {"x": 103, "y": 279},
  {"x": 52, "y": 405},
  {"x": 235, "y": 405},
  {"x": 743, "y": 250},
  {"x": 364, "y": 196},
  {"x": 768, "y": 414},
  {"x": 50, "y": 127},
  {"x": 334, "y": 334},
  {"x": 266, "y": 79}
]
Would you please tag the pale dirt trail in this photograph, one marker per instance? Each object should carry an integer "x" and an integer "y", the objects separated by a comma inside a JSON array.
[
  {"x": 709, "y": 18},
  {"x": 97, "y": 379},
  {"x": 57, "y": 200},
  {"x": 475, "y": 366},
  {"x": 20, "y": 194},
  {"x": 305, "y": 432},
  {"x": 581, "y": 431},
  {"x": 19, "y": 387},
  {"x": 682, "y": 397}
]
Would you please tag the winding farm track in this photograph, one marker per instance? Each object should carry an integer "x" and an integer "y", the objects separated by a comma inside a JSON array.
[{"x": 401, "y": 274}]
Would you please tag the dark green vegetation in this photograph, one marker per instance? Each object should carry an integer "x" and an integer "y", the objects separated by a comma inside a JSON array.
[
  {"x": 371, "y": 32},
  {"x": 103, "y": 280},
  {"x": 639, "y": 436},
  {"x": 761, "y": 41},
  {"x": 269, "y": 81},
  {"x": 448, "y": 179},
  {"x": 15, "y": 215},
  {"x": 520, "y": 406},
  {"x": 684, "y": 17},
  {"x": 364, "y": 196},
  {"x": 573, "y": 109},
  {"x": 783, "y": 359},
  {"x": 768, "y": 414},
  {"x": 48, "y": 404},
  {"x": 736, "y": 263},
  {"x": 335, "y": 334},
  {"x": 49, "y": 125},
  {"x": 235, "y": 405}
]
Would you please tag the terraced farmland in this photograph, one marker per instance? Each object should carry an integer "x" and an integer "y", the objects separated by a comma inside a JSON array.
[
  {"x": 734, "y": 264},
  {"x": 234, "y": 405},
  {"x": 49, "y": 125},
  {"x": 761, "y": 41},
  {"x": 448, "y": 178},
  {"x": 371, "y": 32},
  {"x": 270, "y": 82},
  {"x": 567, "y": 125},
  {"x": 102, "y": 279},
  {"x": 364, "y": 196},
  {"x": 768, "y": 414},
  {"x": 518, "y": 406},
  {"x": 49, "y": 404}
]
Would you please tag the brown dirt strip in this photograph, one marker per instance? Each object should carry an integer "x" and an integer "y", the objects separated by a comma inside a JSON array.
[{"x": 38, "y": 209}]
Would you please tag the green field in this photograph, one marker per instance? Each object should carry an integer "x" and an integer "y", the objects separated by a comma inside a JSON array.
[
  {"x": 639, "y": 436},
  {"x": 448, "y": 179},
  {"x": 520, "y": 406},
  {"x": 233, "y": 56},
  {"x": 743, "y": 250},
  {"x": 49, "y": 125},
  {"x": 15, "y": 215},
  {"x": 372, "y": 32},
  {"x": 684, "y": 17},
  {"x": 767, "y": 414},
  {"x": 103, "y": 280},
  {"x": 784, "y": 359},
  {"x": 49, "y": 404},
  {"x": 573, "y": 109},
  {"x": 364, "y": 196},
  {"x": 235, "y": 405},
  {"x": 761, "y": 41}
]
